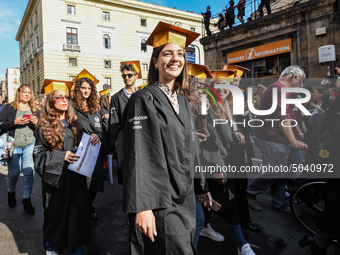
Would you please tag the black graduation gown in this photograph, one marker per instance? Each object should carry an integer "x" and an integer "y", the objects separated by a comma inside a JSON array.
[
  {"x": 210, "y": 149},
  {"x": 103, "y": 111},
  {"x": 105, "y": 147},
  {"x": 118, "y": 103},
  {"x": 65, "y": 200},
  {"x": 92, "y": 124},
  {"x": 157, "y": 171}
]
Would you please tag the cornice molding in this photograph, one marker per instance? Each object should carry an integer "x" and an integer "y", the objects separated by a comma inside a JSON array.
[
  {"x": 71, "y": 21},
  {"x": 105, "y": 26}
]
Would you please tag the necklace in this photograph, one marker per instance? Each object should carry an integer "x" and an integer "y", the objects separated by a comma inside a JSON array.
[{"x": 24, "y": 107}]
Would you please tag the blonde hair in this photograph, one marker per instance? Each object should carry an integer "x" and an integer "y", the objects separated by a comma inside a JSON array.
[{"x": 17, "y": 99}]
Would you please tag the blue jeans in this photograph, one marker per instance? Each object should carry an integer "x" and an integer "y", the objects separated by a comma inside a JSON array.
[
  {"x": 237, "y": 234},
  {"x": 22, "y": 160},
  {"x": 199, "y": 222}
]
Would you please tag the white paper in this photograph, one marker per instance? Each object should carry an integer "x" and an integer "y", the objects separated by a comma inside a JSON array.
[
  {"x": 88, "y": 157},
  {"x": 109, "y": 158}
]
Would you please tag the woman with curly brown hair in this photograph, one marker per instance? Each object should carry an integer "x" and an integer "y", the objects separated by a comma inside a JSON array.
[
  {"x": 65, "y": 194},
  {"x": 87, "y": 110},
  {"x": 18, "y": 120}
]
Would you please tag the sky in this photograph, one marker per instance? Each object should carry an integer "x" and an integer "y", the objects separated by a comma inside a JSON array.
[{"x": 12, "y": 11}]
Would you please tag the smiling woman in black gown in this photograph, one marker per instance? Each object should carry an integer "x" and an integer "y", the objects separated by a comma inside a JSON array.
[{"x": 157, "y": 131}]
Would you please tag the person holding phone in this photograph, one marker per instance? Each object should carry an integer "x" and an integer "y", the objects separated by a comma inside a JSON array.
[
  {"x": 18, "y": 120},
  {"x": 64, "y": 192},
  {"x": 209, "y": 150},
  {"x": 223, "y": 189}
]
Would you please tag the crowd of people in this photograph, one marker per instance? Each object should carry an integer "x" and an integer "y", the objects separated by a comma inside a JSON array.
[
  {"x": 156, "y": 132},
  {"x": 228, "y": 19}
]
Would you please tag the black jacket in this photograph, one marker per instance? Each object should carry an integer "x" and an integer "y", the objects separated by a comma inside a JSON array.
[{"x": 7, "y": 118}]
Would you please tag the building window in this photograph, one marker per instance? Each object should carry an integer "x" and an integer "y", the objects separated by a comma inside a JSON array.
[
  {"x": 36, "y": 16},
  {"x": 107, "y": 81},
  {"x": 15, "y": 80},
  {"x": 32, "y": 69},
  {"x": 106, "y": 41},
  {"x": 37, "y": 40},
  {"x": 15, "y": 72},
  {"x": 107, "y": 64},
  {"x": 72, "y": 62},
  {"x": 72, "y": 35},
  {"x": 71, "y": 78},
  {"x": 38, "y": 84},
  {"x": 71, "y": 9},
  {"x": 192, "y": 29},
  {"x": 33, "y": 88},
  {"x": 32, "y": 46},
  {"x": 31, "y": 25},
  {"x": 144, "y": 67},
  {"x": 143, "y": 45},
  {"x": 106, "y": 16},
  {"x": 143, "y": 22},
  {"x": 38, "y": 65}
]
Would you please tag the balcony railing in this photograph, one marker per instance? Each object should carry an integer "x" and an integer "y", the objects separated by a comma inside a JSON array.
[{"x": 71, "y": 47}]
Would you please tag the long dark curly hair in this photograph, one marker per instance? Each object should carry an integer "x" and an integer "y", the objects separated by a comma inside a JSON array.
[
  {"x": 181, "y": 82},
  {"x": 92, "y": 101},
  {"x": 53, "y": 129}
]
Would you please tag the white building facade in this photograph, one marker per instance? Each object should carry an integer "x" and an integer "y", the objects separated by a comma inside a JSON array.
[{"x": 12, "y": 82}]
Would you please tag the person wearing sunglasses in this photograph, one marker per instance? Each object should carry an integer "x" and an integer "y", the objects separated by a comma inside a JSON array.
[
  {"x": 66, "y": 211},
  {"x": 86, "y": 108},
  {"x": 18, "y": 120},
  {"x": 131, "y": 71}
]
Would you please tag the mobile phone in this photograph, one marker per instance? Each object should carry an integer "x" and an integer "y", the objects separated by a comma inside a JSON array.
[
  {"x": 27, "y": 116},
  {"x": 34, "y": 114},
  {"x": 215, "y": 206}
]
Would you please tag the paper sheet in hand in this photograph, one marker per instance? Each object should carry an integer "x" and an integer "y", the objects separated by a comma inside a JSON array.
[
  {"x": 88, "y": 157},
  {"x": 109, "y": 160}
]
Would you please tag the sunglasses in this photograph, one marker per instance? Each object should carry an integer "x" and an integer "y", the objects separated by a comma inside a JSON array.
[
  {"x": 128, "y": 75},
  {"x": 61, "y": 98}
]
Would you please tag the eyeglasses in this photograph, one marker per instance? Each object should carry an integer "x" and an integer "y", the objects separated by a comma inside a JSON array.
[
  {"x": 128, "y": 75},
  {"x": 61, "y": 98}
]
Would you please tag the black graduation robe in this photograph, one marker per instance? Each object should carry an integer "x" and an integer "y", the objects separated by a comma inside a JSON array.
[
  {"x": 118, "y": 103},
  {"x": 92, "y": 124},
  {"x": 65, "y": 200},
  {"x": 156, "y": 168},
  {"x": 103, "y": 111},
  {"x": 210, "y": 149},
  {"x": 105, "y": 147}
]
